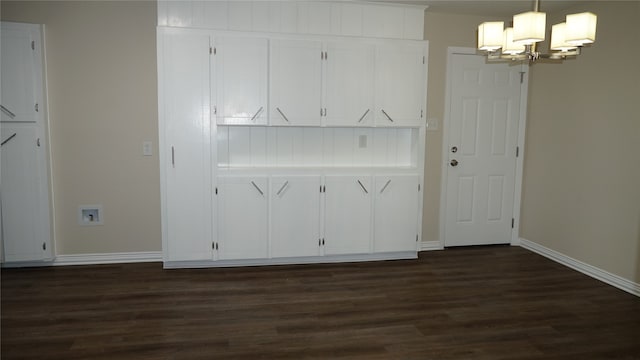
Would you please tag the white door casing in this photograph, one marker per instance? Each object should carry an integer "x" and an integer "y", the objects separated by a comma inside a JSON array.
[{"x": 485, "y": 116}]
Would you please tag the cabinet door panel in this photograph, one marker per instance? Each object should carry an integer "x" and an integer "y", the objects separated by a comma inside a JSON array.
[
  {"x": 185, "y": 124},
  {"x": 349, "y": 84},
  {"x": 22, "y": 195},
  {"x": 400, "y": 84},
  {"x": 396, "y": 213},
  {"x": 295, "y": 216},
  {"x": 241, "y": 65},
  {"x": 296, "y": 80},
  {"x": 347, "y": 215},
  {"x": 242, "y": 218},
  {"x": 21, "y": 72}
]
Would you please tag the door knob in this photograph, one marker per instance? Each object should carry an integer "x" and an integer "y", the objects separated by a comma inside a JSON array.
[{"x": 454, "y": 162}]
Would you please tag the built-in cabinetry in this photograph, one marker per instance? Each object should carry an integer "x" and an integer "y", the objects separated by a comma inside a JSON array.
[
  {"x": 25, "y": 226},
  {"x": 278, "y": 149}
]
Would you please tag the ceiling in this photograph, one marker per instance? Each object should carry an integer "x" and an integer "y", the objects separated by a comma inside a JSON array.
[{"x": 487, "y": 7}]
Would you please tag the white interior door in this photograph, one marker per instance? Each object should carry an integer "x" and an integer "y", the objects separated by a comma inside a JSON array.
[{"x": 481, "y": 151}]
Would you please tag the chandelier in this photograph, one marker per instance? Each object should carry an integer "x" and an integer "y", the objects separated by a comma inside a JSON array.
[{"x": 519, "y": 42}]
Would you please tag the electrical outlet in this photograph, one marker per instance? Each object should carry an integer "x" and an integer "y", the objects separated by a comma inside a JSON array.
[
  {"x": 146, "y": 148},
  {"x": 90, "y": 215}
]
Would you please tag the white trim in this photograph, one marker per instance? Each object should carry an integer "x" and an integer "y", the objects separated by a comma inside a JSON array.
[
  {"x": 430, "y": 245},
  {"x": 108, "y": 258},
  {"x": 402, "y": 255},
  {"x": 522, "y": 121},
  {"x": 590, "y": 270}
]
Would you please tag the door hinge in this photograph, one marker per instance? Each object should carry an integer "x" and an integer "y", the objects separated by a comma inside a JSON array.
[
  {"x": 517, "y": 151},
  {"x": 522, "y": 76},
  {"x": 212, "y": 50},
  {"x": 416, "y": 237},
  {"x": 215, "y": 110},
  {"x": 513, "y": 221},
  {"x": 38, "y": 142},
  {"x": 418, "y": 187},
  {"x": 36, "y": 107},
  {"x": 216, "y": 190},
  {"x": 33, "y": 45},
  {"x": 44, "y": 246}
]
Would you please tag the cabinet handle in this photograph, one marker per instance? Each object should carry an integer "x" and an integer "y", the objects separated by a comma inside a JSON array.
[
  {"x": 387, "y": 115},
  {"x": 257, "y": 188},
  {"x": 284, "y": 186},
  {"x": 7, "y": 111},
  {"x": 363, "y": 115},
  {"x": 8, "y": 139},
  {"x": 253, "y": 118},
  {"x": 283, "y": 116},
  {"x": 173, "y": 157},
  {"x": 363, "y": 188},
  {"x": 385, "y": 186}
]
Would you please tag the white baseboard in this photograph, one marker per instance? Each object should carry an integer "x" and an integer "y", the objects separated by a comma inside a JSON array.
[
  {"x": 108, "y": 258},
  {"x": 590, "y": 270},
  {"x": 430, "y": 245}
]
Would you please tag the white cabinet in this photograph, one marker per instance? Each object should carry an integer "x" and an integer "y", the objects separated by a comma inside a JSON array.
[
  {"x": 241, "y": 73},
  {"x": 295, "y": 216},
  {"x": 184, "y": 111},
  {"x": 242, "y": 217},
  {"x": 400, "y": 84},
  {"x": 295, "y": 82},
  {"x": 25, "y": 222},
  {"x": 396, "y": 213},
  {"x": 348, "y": 90},
  {"x": 347, "y": 214}
]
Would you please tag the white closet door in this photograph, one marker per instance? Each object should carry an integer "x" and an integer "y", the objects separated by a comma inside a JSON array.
[
  {"x": 243, "y": 217},
  {"x": 295, "y": 216},
  {"x": 400, "y": 84},
  {"x": 396, "y": 213},
  {"x": 241, "y": 65},
  {"x": 347, "y": 214},
  {"x": 349, "y": 84},
  {"x": 185, "y": 123},
  {"x": 296, "y": 82}
]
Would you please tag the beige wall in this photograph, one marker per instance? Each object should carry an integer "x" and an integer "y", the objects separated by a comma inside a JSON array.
[
  {"x": 442, "y": 31},
  {"x": 101, "y": 64},
  {"x": 581, "y": 193}
]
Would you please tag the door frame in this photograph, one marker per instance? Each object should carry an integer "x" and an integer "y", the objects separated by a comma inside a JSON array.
[{"x": 522, "y": 121}]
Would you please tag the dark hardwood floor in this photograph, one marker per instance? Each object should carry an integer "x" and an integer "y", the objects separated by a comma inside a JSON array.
[{"x": 470, "y": 303}]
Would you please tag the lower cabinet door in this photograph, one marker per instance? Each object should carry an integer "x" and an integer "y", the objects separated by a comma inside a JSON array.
[
  {"x": 242, "y": 218},
  {"x": 396, "y": 213},
  {"x": 347, "y": 214},
  {"x": 295, "y": 216}
]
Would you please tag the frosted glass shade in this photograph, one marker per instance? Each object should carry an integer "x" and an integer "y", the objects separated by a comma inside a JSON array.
[
  {"x": 508, "y": 46},
  {"x": 529, "y": 27},
  {"x": 558, "y": 38},
  {"x": 490, "y": 35},
  {"x": 581, "y": 28}
]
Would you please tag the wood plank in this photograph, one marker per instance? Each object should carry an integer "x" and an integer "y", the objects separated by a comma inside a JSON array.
[{"x": 481, "y": 302}]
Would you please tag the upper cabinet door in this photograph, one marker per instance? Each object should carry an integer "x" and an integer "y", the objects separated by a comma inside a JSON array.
[
  {"x": 296, "y": 81},
  {"x": 400, "y": 84},
  {"x": 349, "y": 84},
  {"x": 21, "y": 73},
  {"x": 241, "y": 65}
]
